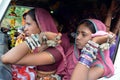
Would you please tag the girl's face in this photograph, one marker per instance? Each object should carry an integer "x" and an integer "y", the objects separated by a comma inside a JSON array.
[
  {"x": 31, "y": 26},
  {"x": 83, "y": 35}
]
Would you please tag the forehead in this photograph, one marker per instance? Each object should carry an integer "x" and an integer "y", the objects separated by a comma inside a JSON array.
[
  {"x": 84, "y": 28},
  {"x": 28, "y": 18}
]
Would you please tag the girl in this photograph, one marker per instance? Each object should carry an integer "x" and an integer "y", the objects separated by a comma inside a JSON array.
[{"x": 92, "y": 62}]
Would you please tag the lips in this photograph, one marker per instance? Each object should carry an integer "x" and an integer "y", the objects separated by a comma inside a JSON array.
[{"x": 78, "y": 43}]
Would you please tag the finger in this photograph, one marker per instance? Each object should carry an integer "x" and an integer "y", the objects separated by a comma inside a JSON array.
[{"x": 59, "y": 41}]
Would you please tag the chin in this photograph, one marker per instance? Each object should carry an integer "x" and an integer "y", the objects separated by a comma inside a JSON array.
[{"x": 79, "y": 47}]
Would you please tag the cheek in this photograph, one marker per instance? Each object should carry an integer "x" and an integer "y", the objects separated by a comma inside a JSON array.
[
  {"x": 35, "y": 30},
  {"x": 85, "y": 40},
  {"x": 30, "y": 30}
]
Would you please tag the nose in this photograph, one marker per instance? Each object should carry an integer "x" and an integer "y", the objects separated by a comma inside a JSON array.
[
  {"x": 25, "y": 28},
  {"x": 78, "y": 37}
]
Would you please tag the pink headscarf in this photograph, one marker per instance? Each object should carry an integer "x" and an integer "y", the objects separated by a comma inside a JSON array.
[
  {"x": 99, "y": 26},
  {"x": 46, "y": 23},
  {"x": 103, "y": 58},
  {"x": 45, "y": 20}
]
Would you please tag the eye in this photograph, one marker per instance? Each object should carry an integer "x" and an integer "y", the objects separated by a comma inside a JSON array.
[
  {"x": 84, "y": 34},
  {"x": 28, "y": 23},
  {"x": 77, "y": 33}
]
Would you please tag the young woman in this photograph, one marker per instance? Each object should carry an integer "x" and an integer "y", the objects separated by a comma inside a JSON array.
[
  {"x": 42, "y": 40},
  {"x": 92, "y": 60}
]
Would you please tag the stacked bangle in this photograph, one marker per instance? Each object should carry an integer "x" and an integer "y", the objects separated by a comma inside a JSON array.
[
  {"x": 89, "y": 53},
  {"x": 93, "y": 44},
  {"x": 85, "y": 62},
  {"x": 106, "y": 46},
  {"x": 33, "y": 41}
]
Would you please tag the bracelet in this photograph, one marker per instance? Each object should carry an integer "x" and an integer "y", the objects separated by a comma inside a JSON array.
[
  {"x": 28, "y": 44},
  {"x": 49, "y": 43},
  {"x": 36, "y": 38},
  {"x": 88, "y": 52},
  {"x": 85, "y": 62},
  {"x": 93, "y": 44},
  {"x": 104, "y": 46},
  {"x": 33, "y": 41},
  {"x": 87, "y": 57},
  {"x": 91, "y": 48}
]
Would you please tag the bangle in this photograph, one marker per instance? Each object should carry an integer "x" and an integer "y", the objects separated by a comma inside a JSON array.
[
  {"x": 87, "y": 57},
  {"x": 91, "y": 48},
  {"x": 33, "y": 41},
  {"x": 85, "y": 62},
  {"x": 48, "y": 42},
  {"x": 93, "y": 44},
  {"x": 104, "y": 46},
  {"x": 88, "y": 52}
]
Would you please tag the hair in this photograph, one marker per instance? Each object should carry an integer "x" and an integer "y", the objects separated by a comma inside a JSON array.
[
  {"x": 88, "y": 24},
  {"x": 24, "y": 15},
  {"x": 62, "y": 22},
  {"x": 31, "y": 13}
]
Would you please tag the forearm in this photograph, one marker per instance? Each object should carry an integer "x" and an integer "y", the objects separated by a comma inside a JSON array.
[
  {"x": 80, "y": 72},
  {"x": 18, "y": 52},
  {"x": 100, "y": 39},
  {"x": 108, "y": 20},
  {"x": 88, "y": 54},
  {"x": 15, "y": 54}
]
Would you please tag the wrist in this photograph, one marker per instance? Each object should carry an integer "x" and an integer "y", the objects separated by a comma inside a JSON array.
[
  {"x": 109, "y": 15},
  {"x": 88, "y": 53}
]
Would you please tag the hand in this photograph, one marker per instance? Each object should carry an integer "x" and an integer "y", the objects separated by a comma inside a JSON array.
[
  {"x": 112, "y": 37},
  {"x": 21, "y": 36},
  {"x": 54, "y": 36}
]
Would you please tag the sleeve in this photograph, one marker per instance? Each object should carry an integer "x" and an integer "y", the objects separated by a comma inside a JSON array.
[{"x": 55, "y": 54}]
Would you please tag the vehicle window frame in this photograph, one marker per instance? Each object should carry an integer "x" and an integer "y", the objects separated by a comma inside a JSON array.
[{"x": 4, "y": 4}]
